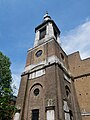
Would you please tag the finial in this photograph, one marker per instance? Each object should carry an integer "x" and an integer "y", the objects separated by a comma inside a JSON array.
[
  {"x": 46, "y": 16},
  {"x": 47, "y": 12}
]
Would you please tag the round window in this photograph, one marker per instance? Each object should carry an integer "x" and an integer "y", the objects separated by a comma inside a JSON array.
[
  {"x": 38, "y": 53},
  {"x": 36, "y": 91}
]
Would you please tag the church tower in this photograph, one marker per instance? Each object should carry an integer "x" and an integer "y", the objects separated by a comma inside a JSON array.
[{"x": 46, "y": 91}]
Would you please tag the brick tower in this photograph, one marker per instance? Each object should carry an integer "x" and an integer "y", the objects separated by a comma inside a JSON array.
[{"x": 46, "y": 91}]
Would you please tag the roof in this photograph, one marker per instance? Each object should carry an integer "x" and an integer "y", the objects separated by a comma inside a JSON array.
[{"x": 45, "y": 22}]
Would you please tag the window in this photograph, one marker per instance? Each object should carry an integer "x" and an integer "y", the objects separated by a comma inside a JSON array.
[
  {"x": 55, "y": 34},
  {"x": 36, "y": 91},
  {"x": 68, "y": 92},
  {"x": 71, "y": 115},
  {"x": 38, "y": 53},
  {"x": 62, "y": 56},
  {"x": 35, "y": 114},
  {"x": 42, "y": 32}
]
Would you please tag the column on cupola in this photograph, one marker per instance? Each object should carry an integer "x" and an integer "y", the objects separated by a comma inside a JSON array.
[
  {"x": 36, "y": 38},
  {"x": 49, "y": 27},
  {"x": 50, "y": 30},
  {"x": 58, "y": 38}
]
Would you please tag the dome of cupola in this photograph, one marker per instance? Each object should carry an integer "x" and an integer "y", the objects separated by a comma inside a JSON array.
[{"x": 46, "y": 17}]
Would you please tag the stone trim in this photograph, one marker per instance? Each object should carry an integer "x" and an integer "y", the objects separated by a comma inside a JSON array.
[
  {"x": 85, "y": 114},
  {"x": 50, "y": 60},
  {"x": 84, "y": 75},
  {"x": 45, "y": 42}
]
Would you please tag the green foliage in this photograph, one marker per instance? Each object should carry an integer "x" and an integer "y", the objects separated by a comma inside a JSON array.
[{"x": 6, "y": 92}]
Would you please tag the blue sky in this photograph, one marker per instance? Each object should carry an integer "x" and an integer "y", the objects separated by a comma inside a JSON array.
[{"x": 18, "y": 19}]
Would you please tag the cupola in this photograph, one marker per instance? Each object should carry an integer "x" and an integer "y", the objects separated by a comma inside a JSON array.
[{"x": 46, "y": 31}]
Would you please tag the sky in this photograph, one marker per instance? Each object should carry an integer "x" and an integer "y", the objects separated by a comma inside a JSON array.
[{"x": 18, "y": 19}]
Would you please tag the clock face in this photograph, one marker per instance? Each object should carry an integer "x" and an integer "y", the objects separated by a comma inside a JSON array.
[{"x": 38, "y": 53}]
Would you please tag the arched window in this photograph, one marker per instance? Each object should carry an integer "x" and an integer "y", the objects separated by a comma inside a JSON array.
[
  {"x": 42, "y": 33},
  {"x": 68, "y": 92}
]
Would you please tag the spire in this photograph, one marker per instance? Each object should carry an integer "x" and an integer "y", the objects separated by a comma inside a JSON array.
[{"x": 46, "y": 16}]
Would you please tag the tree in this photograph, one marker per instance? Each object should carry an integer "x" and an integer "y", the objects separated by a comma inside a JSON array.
[{"x": 6, "y": 92}]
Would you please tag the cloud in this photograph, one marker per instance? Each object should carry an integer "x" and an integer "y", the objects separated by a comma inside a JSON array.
[
  {"x": 78, "y": 39},
  {"x": 16, "y": 82}
]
